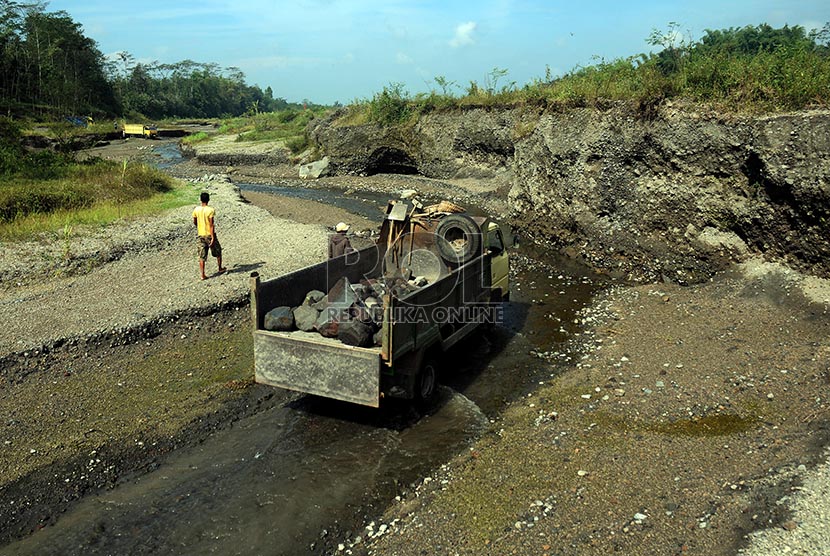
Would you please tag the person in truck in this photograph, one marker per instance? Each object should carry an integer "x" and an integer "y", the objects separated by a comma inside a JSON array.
[
  {"x": 339, "y": 243},
  {"x": 203, "y": 220}
]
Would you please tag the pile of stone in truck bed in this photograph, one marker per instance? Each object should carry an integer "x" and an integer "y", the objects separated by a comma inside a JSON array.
[{"x": 352, "y": 313}]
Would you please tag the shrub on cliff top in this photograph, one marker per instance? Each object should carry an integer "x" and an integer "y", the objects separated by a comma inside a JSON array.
[
  {"x": 754, "y": 69},
  {"x": 391, "y": 106}
]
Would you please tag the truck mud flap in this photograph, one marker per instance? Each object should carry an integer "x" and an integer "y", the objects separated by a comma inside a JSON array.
[{"x": 317, "y": 366}]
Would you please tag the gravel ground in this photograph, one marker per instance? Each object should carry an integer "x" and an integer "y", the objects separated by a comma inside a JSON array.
[
  {"x": 808, "y": 532},
  {"x": 153, "y": 270},
  {"x": 687, "y": 418}
]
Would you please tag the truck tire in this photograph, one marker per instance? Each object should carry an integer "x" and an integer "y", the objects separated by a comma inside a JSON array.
[
  {"x": 459, "y": 240},
  {"x": 426, "y": 383}
]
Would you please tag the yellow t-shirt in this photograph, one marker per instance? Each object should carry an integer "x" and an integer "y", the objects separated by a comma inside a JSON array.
[{"x": 203, "y": 214}]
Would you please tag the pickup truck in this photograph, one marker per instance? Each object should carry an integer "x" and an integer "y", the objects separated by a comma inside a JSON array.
[
  {"x": 440, "y": 277},
  {"x": 140, "y": 130}
]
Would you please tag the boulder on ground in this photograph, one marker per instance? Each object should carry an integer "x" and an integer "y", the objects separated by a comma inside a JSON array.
[{"x": 316, "y": 169}]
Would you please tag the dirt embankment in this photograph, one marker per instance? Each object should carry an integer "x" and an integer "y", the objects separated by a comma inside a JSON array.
[{"x": 678, "y": 195}]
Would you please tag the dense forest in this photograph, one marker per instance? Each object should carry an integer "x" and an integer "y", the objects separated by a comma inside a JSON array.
[{"x": 49, "y": 69}]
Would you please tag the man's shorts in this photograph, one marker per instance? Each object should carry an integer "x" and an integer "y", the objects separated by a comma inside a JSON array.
[{"x": 204, "y": 244}]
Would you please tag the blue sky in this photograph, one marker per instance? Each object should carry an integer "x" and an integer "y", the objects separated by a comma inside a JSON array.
[{"x": 342, "y": 50}]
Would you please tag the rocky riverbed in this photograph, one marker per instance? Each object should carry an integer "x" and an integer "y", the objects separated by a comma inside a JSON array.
[
  {"x": 679, "y": 419},
  {"x": 685, "y": 419}
]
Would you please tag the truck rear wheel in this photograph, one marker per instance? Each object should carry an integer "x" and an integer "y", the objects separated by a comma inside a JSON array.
[{"x": 426, "y": 383}]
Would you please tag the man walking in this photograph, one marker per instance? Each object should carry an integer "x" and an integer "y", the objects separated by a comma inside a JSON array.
[{"x": 203, "y": 220}]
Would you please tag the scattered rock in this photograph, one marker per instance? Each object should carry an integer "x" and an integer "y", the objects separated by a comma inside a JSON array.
[{"x": 317, "y": 169}]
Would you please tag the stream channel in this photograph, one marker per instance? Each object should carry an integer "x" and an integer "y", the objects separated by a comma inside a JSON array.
[{"x": 310, "y": 473}]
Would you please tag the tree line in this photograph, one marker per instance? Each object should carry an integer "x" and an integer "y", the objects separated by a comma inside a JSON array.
[
  {"x": 187, "y": 89},
  {"x": 49, "y": 68}
]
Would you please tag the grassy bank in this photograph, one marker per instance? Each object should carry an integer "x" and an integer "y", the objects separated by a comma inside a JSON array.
[
  {"x": 286, "y": 126},
  {"x": 46, "y": 191},
  {"x": 754, "y": 69},
  {"x": 100, "y": 213}
]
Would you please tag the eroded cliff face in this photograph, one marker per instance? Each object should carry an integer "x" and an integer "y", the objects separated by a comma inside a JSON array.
[
  {"x": 678, "y": 196},
  {"x": 681, "y": 195}
]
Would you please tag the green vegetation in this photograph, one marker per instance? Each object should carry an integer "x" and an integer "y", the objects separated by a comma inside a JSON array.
[
  {"x": 186, "y": 89},
  {"x": 391, "y": 106},
  {"x": 276, "y": 126},
  {"x": 64, "y": 221},
  {"x": 47, "y": 64},
  {"x": 749, "y": 69},
  {"x": 199, "y": 137},
  {"x": 285, "y": 126},
  {"x": 48, "y": 190}
]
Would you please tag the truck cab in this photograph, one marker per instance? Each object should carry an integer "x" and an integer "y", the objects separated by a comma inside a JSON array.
[{"x": 499, "y": 263}]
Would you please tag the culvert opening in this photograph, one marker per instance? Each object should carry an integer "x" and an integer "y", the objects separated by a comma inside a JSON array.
[{"x": 390, "y": 161}]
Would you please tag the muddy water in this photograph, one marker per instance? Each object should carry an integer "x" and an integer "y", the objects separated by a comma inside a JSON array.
[
  {"x": 368, "y": 204},
  {"x": 536, "y": 335},
  {"x": 168, "y": 155},
  {"x": 300, "y": 478},
  {"x": 272, "y": 484}
]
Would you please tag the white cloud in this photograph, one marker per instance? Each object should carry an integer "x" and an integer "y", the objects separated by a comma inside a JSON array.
[
  {"x": 403, "y": 59},
  {"x": 463, "y": 34}
]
